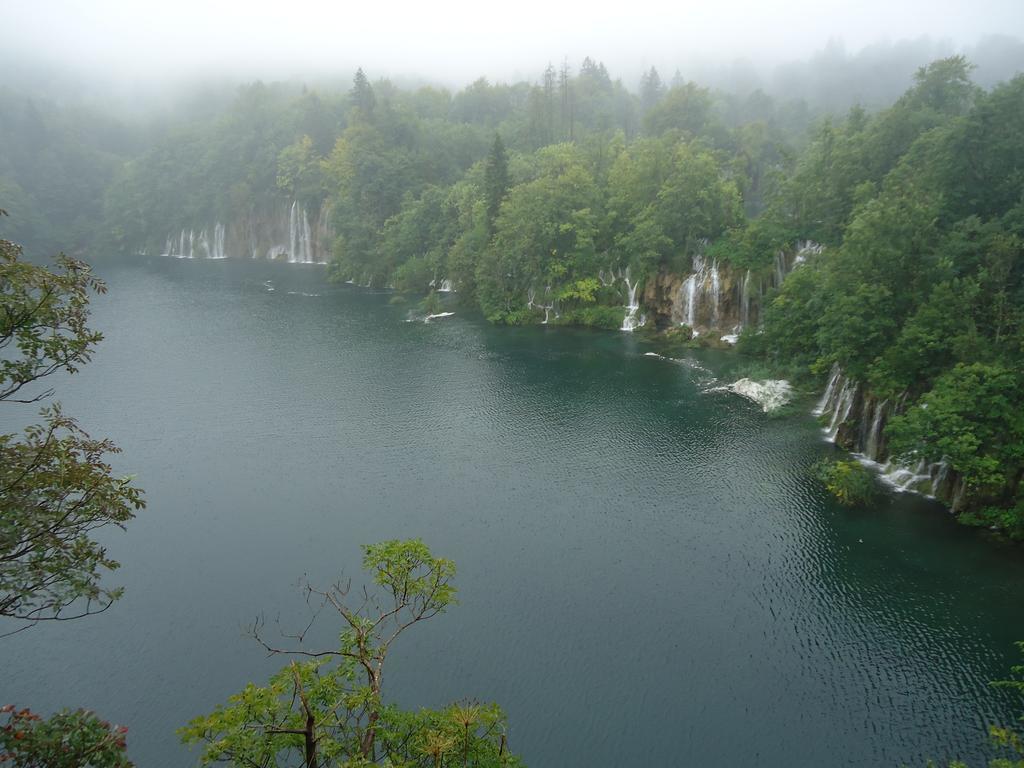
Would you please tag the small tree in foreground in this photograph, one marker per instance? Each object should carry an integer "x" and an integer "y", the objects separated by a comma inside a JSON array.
[
  {"x": 56, "y": 489},
  {"x": 66, "y": 739},
  {"x": 326, "y": 707}
]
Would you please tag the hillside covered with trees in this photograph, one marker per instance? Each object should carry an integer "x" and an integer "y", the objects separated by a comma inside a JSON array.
[{"x": 878, "y": 253}]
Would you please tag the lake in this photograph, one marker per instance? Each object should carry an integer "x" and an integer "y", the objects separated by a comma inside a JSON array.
[{"x": 647, "y": 573}]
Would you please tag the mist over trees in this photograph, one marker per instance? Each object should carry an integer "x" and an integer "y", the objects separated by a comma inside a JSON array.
[
  {"x": 549, "y": 200},
  {"x": 534, "y": 200}
]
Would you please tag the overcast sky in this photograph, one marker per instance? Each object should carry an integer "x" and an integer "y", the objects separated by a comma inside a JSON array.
[{"x": 457, "y": 41}]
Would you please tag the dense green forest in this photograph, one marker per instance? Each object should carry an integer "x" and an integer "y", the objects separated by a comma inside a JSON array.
[{"x": 878, "y": 252}]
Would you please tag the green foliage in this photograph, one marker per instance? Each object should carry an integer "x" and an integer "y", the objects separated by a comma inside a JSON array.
[
  {"x": 300, "y": 173},
  {"x": 1007, "y": 520},
  {"x": 608, "y": 318},
  {"x": 974, "y": 419},
  {"x": 44, "y": 324},
  {"x": 791, "y": 318},
  {"x": 851, "y": 483},
  {"x": 328, "y": 709},
  {"x": 496, "y": 180},
  {"x": 57, "y": 489},
  {"x": 545, "y": 233},
  {"x": 921, "y": 296},
  {"x": 66, "y": 739},
  {"x": 687, "y": 108}
]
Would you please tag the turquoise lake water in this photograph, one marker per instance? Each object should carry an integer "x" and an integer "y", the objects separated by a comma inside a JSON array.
[{"x": 647, "y": 573}]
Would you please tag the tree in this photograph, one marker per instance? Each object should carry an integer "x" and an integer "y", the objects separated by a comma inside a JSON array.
[
  {"x": 55, "y": 488},
  {"x": 972, "y": 419},
  {"x": 651, "y": 90},
  {"x": 495, "y": 180},
  {"x": 66, "y": 739},
  {"x": 687, "y": 108},
  {"x": 362, "y": 93},
  {"x": 328, "y": 708}
]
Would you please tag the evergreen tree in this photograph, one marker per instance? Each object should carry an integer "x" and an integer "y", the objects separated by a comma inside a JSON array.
[
  {"x": 651, "y": 89},
  {"x": 495, "y": 180},
  {"x": 362, "y": 93}
]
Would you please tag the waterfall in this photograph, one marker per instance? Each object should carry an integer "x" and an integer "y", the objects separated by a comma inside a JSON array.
[
  {"x": 204, "y": 244},
  {"x": 805, "y": 249},
  {"x": 843, "y": 405},
  {"x": 940, "y": 476},
  {"x": 745, "y": 301},
  {"x": 219, "y": 251},
  {"x": 548, "y": 307},
  {"x": 874, "y": 435},
  {"x": 189, "y": 245},
  {"x": 830, "y": 391},
  {"x": 702, "y": 285},
  {"x": 182, "y": 248},
  {"x": 293, "y": 234},
  {"x": 716, "y": 286},
  {"x": 186, "y": 245},
  {"x": 689, "y": 292},
  {"x": 446, "y": 286},
  {"x": 780, "y": 268},
  {"x": 630, "y": 322},
  {"x": 924, "y": 477},
  {"x": 300, "y": 236}
]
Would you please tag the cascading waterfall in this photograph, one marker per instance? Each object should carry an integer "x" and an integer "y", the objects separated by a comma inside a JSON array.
[
  {"x": 290, "y": 234},
  {"x": 925, "y": 478},
  {"x": 874, "y": 436},
  {"x": 780, "y": 267},
  {"x": 783, "y": 266},
  {"x": 189, "y": 245},
  {"x": 826, "y": 399},
  {"x": 219, "y": 238},
  {"x": 443, "y": 285},
  {"x": 184, "y": 248},
  {"x": 745, "y": 301},
  {"x": 805, "y": 249},
  {"x": 630, "y": 321},
  {"x": 300, "y": 236},
  {"x": 843, "y": 406},
  {"x": 704, "y": 283},
  {"x": 689, "y": 291},
  {"x": 716, "y": 291},
  {"x": 548, "y": 306},
  {"x": 838, "y": 400}
]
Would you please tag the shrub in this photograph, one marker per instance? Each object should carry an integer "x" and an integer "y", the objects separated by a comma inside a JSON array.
[{"x": 848, "y": 481}]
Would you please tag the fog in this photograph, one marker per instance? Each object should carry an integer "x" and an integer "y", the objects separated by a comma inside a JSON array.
[{"x": 452, "y": 43}]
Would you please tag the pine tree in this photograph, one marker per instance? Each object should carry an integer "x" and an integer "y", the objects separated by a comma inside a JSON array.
[
  {"x": 362, "y": 93},
  {"x": 495, "y": 180},
  {"x": 651, "y": 89}
]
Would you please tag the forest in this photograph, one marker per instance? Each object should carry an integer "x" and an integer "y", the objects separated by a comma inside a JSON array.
[{"x": 875, "y": 251}]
